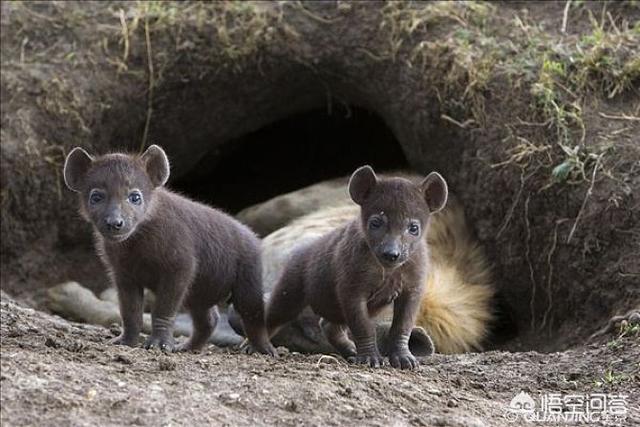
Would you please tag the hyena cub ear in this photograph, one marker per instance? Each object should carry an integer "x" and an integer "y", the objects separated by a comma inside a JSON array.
[
  {"x": 435, "y": 191},
  {"x": 76, "y": 166},
  {"x": 157, "y": 165},
  {"x": 361, "y": 183}
]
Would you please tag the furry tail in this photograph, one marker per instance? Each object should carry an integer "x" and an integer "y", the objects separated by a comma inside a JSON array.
[{"x": 456, "y": 309}]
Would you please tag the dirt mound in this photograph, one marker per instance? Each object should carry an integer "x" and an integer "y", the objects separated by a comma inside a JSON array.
[
  {"x": 55, "y": 372},
  {"x": 530, "y": 111}
]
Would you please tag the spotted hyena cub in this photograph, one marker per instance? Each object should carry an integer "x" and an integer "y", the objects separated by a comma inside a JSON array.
[
  {"x": 185, "y": 252},
  {"x": 350, "y": 274}
]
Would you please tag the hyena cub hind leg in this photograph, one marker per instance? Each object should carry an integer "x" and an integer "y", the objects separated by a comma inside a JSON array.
[
  {"x": 204, "y": 323},
  {"x": 247, "y": 298},
  {"x": 338, "y": 338}
]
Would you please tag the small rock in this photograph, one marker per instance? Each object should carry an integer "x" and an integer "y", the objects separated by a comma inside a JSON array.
[
  {"x": 362, "y": 377},
  {"x": 343, "y": 6},
  {"x": 572, "y": 376},
  {"x": 75, "y": 346},
  {"x": 477, "y": 385},
  {"x": 52, "y": 342},
  {"x": 291, "y": 406},
  {"x": 451, "y": 403},
  {"x": 155, "y": 388},
  {"x": 166, "y": 364},
  {"x": 114, "y": 328},
  {"x": 122, "y": 359}
]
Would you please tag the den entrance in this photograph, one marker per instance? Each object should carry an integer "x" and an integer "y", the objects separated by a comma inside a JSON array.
[{"x": 303, "y": 149}]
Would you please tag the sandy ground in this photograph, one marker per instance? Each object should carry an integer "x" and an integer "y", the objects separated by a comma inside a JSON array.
[{"x": 59, "y": 373}]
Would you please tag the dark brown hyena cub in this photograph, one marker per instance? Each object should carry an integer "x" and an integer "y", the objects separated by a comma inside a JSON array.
[
  {"x": 351, "y": 273},
  {"x": 185, "y": 252}
]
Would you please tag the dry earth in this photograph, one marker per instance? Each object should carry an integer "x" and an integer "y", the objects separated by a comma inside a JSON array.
[{"x": 59, "y": 373}]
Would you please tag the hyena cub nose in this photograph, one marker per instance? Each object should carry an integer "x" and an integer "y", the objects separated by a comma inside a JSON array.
[
  {"x": 390, "y": 254},
  {"x": 114, "y": 224}
]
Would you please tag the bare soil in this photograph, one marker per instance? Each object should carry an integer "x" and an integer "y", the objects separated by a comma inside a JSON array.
[{"x": 59, "y": 373}]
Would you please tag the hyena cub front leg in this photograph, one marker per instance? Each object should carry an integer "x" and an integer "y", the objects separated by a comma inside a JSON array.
[
  {"x": 130, "y": 298},
  {"x": 364, "y": 335},
  {"x": 170, "y": 293},
  {"x": 405, "y": 309}
]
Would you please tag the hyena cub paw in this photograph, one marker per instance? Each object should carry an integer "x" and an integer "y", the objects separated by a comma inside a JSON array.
[
  {"x": 125, "y": 340},
  {"x": 374, "y": 360},
  {"x": 403, "y": 360},
  {"x": 267, "y": 348},
  {"x": 161, "y": 342}
]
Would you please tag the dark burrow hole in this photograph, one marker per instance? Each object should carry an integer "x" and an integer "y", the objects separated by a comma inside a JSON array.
[{"x": 300, "y": 150}]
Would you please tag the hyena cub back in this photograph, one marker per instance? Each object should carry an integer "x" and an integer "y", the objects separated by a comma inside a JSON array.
[
  {"x": 350, "y": 274},
  {"x": 185, "y": 252}
]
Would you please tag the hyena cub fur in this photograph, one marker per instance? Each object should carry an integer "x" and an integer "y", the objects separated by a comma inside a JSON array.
[
  {"x": 350, "y": 274},
  {"x": 185, "y": 252}
]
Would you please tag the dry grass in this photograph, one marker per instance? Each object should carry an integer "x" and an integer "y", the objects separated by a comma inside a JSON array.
[{"x": 482, "y": 56}]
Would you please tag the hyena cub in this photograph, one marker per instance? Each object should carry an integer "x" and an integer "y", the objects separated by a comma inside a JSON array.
[
  {"x": 185, "y": 252},
  {"x": 350, "y": 274}
]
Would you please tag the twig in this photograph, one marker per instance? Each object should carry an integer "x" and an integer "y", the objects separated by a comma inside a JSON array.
[
  {"x": 620, "y": 117},
  {"x": 125, "y": 37},
  {"x": 314, "y": 16},
  {"x": 326, "y": 356},
  {"x": 507, "y": 219},
  {"x": 554, "y": 244},
  {"x": 151, "y": 84},
  {"x": 23, "y": 46},
  {"x": 527, "y": 255},
  {"x": 371, "y": 54},
  {"x": 540, "y": 124},
  {"x": 565, "y": 17},
  {"x": 462, "y": 125},
  {"x": 586, "y": 197},
  {"x": 613, "y": 23}
]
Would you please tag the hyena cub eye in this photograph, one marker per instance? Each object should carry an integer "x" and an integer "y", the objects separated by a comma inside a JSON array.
[
  {"x": 135, "y": 197},
  {"x": 414, "y": 228},
  {"x": 96, "y": 196},
  {"x": 375, "y": 222}
]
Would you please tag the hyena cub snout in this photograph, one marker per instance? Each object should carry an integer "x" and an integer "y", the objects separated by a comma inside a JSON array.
[
  {"x": 394, "y": 247},
  {"x": 117, "y": 212}
]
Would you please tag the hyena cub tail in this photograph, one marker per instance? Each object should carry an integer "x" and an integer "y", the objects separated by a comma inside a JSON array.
[{"x": 456, "y": 309}]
